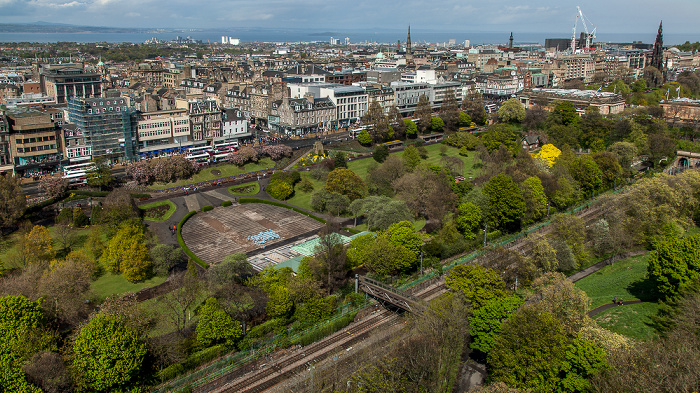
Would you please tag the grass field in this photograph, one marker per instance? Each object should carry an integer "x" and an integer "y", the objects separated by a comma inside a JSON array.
[
  {"x": 625, "y": 279},
  {"x": 303, "y": 199},
  {"x": 111, "y": 284},
  {"x": 165, "y": 216},
  {"x": 226, "y": 170},
  {"x": 631, "y": 320},
  {"x": 254, "y": 190}
]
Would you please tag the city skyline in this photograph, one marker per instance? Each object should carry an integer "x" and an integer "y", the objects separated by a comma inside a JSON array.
[{"x": 458, "y": 16}]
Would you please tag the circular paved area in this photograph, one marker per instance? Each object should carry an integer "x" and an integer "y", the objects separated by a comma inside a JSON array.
[{"x": 223, "y": 231}]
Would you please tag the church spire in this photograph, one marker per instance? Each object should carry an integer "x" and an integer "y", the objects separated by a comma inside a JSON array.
[
  {"x": 657, "y": 55},
  {"x": 409, "y": 53},
  {"x": 510, "y": 42}
]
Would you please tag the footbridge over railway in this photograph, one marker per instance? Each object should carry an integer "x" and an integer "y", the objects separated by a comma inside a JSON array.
[{"x": 388, "y": 294}]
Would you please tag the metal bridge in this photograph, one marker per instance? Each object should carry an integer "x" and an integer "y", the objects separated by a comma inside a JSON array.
[{"x": 391, "y": 295}]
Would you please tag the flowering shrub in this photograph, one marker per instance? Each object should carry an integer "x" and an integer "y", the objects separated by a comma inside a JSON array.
[
  {"x": 164, "y": 170},
  {"x": 311, "y": 159},
  {"x": 53, "y": 186},
  {"x": 243, "y": 155},
  {"x": 277, "y": 151},
  {"x": 548, "y": 153}
]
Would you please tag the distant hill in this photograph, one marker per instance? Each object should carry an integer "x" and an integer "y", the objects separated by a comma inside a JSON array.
[{"x": 49, "y": 27}]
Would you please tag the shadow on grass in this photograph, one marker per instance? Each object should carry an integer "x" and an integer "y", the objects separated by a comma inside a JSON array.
[{"x": 644, "y": 290}]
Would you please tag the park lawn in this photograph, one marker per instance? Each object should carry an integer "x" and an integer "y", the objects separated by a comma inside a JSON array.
[
  {"x": 253, "y": 191},
  {"x": 167, "y": 214},
  {"x": 625, "y": 279},
  {"x": 226, "y": 170},
  {"x": 303, "y": 199},
  {"x": 113, "y": 284},
  {"x": 630, "y": 320}
]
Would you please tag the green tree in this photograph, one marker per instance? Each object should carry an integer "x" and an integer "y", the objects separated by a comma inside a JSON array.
[
  {"x": 485, "y": 322},
  {"x": 166, "y": 257},
  {"x": 100, "y": 175},
  {"x": 411, "y": 156},
  {"x": 339, "y": 160},
  {"x": 108, "y": 355},
  {"x": 674, "y": 264},
  {"x": 357, "y": 250},
  {"x": 564, "y": 113},
  {"x": 127, "y": 253},
  {"x": 528, "y": 351},
  {"x": 20, "y": 320},
  {"x": 381, "y": 211},
  {"x": 449, "y": 111},
  {"x": 280, "y": 303},
  {"x": 279, "y": 190},
  {"x": 473, "y": 105},
  {"x": 436, "y": 124},
  {"x": 512, "y": 111},
  {"x": 535, "y": 199},
  {"x": 469, "y": 219},
  {"x": 587, "y": 173},
  {"x": 380, "y": 153},
  {"x": 387, "y": 259},
  {"x": 411, "y": 128},
  {"x": 37, "y": 245},
  {"x": 464, "y": 120},
  {"x": 346, "y": 182},
  {"x": 581, "y": 362},
  {"x": 423, "y": 112},
  {"x": 497, "y": 135},
  {"x": 506, "y": 202},
  {"x": 478, "y": 284},
  {"x": 404, "y": 234},
  {"x": 233, "y": 268},
  {"x": 364, "y": 138},
  {"x": 610, "y": 168},
  {"x": 215, "y": 326},
  {"x": 378, "y": 122},
  {"x": 12, "y": 200}
]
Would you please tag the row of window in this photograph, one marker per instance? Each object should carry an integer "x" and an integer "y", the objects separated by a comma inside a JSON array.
[
  {"x": 34, "y": 140},
  {"x": 145, "y": 126},
  {"x": 104, "y": 110},
  {"x": 78, "y": 152},
  {"x": 35, "y": 148},
  {"x": 144, "y": 134}
]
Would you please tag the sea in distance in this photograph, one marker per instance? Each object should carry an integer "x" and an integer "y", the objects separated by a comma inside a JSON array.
[{"x": 282, "y": 36}]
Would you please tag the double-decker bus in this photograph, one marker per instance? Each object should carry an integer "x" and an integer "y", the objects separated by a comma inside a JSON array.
[
  {"x": 77, "y": 168},
  {"x": 76, "y": 179}
]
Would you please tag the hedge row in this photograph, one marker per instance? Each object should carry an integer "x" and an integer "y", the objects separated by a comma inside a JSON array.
[
  {"x": 256, "y": 200},
  {"x": 181, "y": 241},
  {"x": 226, "y": 203},
  {"x": 193, "y": 361},
  {"x": 207, "y": 208}
]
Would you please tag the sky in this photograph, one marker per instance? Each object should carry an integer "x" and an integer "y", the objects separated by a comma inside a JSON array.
[{"x": 532, "y": 16}]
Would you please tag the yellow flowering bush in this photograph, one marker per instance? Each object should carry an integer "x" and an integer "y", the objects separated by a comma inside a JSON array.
[{"x": 548, "y": 153}]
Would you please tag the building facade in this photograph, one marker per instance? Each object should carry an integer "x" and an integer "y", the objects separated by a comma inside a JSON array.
[
  {"x": 63, "y": 81},
  {"x": 108, "y": 125}
]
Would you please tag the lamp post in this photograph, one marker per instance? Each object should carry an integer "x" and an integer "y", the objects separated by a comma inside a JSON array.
[
  {"x": 547, "y": 209},
  {"x": 486, "y": 225}
]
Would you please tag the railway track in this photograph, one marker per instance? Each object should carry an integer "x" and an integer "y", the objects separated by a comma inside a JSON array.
[{"x": 259, "y": 376}]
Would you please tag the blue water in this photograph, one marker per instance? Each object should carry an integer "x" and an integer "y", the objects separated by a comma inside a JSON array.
[{"x": 292, "y": 35}]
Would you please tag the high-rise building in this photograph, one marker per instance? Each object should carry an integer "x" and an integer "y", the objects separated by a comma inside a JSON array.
[
  {"x": 108, "y": 126},
  {"x": 33, "y": 141}
]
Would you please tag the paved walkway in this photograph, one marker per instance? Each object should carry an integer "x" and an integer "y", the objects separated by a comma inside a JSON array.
[{"x": 604, "y": 307}]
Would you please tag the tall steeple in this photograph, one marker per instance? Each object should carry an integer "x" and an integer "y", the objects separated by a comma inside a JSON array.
[
  {"x": 658, "y": 52},
  {"x": 657, "y": 56},
  {"x": 510, "y": 42},
  {"x": 408, "y": 41},
  {"x": 409, "y": 53}
]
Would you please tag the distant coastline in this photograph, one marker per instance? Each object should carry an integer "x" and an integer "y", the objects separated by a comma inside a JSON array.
[{"x": 46, "y": 33}]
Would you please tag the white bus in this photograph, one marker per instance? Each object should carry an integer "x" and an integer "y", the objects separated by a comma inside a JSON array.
[
  {"x": 78, "y": 168},
  {"x": 226, "y": 145},
  {"x": 221, "y": 157},
  {"x": 198, "y": 157},
  {"x": 76, "y": 179},
  {"x": 198, "y": 150}
]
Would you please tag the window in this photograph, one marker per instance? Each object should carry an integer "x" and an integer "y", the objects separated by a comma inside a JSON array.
[{"x": 20, "y": 150}]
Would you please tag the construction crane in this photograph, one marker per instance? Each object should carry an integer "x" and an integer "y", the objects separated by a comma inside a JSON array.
[{"x": 590, "y": 35}]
